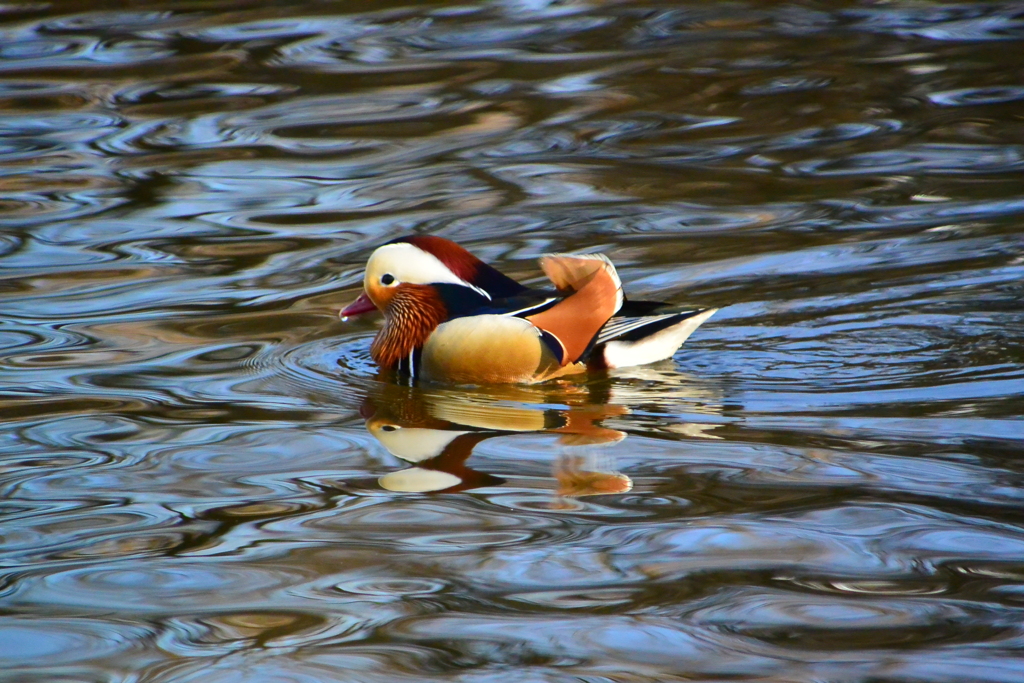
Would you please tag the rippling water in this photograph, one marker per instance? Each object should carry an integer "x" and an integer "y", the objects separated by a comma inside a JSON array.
[{"x": 202, "y": 479}]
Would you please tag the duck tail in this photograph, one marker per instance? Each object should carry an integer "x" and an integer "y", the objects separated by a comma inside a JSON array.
[{"x": 623, "y": 342}]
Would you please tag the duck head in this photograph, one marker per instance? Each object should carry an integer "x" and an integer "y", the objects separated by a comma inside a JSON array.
[
  {"x": 425, "y": 260},
  {"x": 418, "y": 283}
]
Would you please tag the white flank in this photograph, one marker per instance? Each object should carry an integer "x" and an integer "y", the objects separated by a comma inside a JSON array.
[{"x": 658, "y": 346}]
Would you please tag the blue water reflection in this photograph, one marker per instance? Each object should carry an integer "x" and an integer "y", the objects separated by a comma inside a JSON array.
[{"x": 203, "y": 477}]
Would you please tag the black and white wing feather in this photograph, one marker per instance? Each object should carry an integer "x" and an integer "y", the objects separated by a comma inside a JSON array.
[{"x": 638, "y": 340}]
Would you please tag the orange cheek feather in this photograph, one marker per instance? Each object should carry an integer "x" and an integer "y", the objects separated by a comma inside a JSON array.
[
  {"x": 411, "y": 314},
  {"x": 379, "y": 295}
]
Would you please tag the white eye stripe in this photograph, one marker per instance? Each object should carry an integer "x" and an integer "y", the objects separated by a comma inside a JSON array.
[{"x": 408, "y": 263}]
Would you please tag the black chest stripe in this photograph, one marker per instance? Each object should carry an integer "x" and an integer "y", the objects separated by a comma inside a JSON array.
[
  {"x": 410, "y": 365},
  {"x": 555, "y": 344}
]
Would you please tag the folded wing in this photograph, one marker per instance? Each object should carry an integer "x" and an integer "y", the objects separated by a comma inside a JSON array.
[{"x": 596, "y": 295}]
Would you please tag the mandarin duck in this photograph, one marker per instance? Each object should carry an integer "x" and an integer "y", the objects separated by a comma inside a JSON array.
[{"x": 450, "y": 317}]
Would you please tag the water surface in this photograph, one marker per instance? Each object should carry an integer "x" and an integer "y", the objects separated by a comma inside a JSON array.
[{"x": 202, "y": 478}]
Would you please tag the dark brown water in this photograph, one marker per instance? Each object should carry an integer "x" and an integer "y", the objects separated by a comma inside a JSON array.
[{"x": 201, "y": 479}]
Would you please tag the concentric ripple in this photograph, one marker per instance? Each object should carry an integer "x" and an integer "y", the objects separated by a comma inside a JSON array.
[{"x": 204, "y": 476}]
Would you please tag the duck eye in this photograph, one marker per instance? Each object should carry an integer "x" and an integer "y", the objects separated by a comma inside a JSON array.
[
  {"x": 389, "y": 428},
  {"x": 387, "y": 279}
]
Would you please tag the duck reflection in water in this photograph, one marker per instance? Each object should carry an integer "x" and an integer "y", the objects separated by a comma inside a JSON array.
[{"x": 437, "y": 430}]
